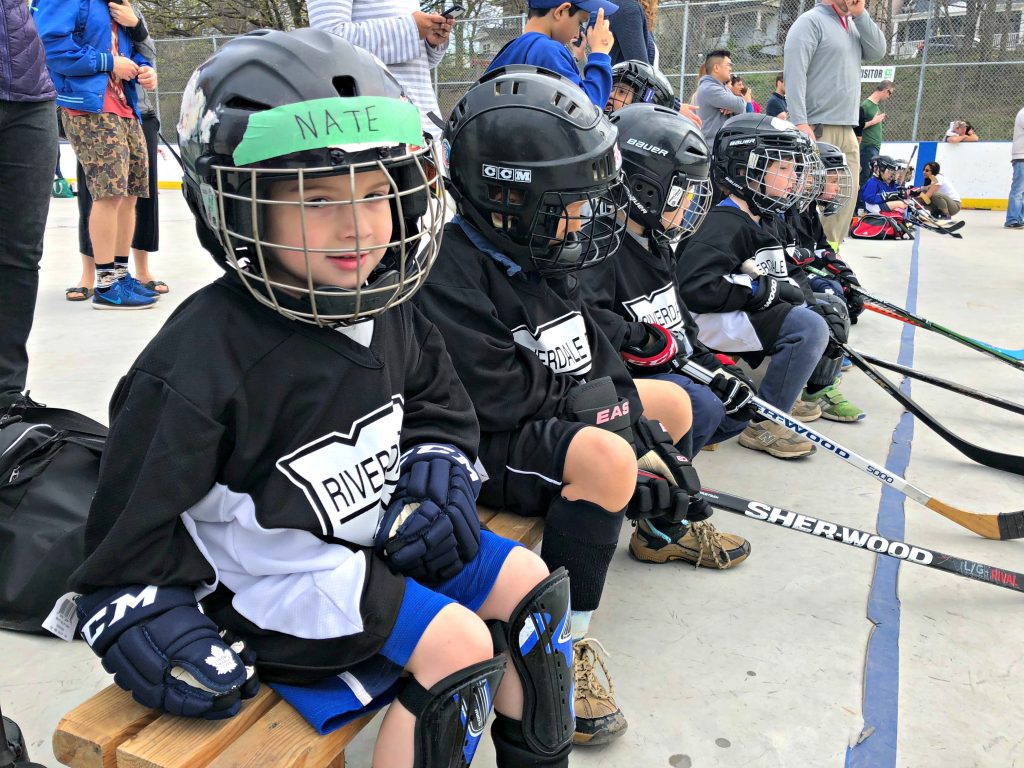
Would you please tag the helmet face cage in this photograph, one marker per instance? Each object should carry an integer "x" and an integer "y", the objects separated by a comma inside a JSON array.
[
  {"x": 812, "y": 182},
  {"x": 841, "y": 179},
  {"x": 642, "y": 81},
  {"x": 775, "y": 177},
  {"x": 574, "y": 230},
  {"x": 244, "y": 205}
]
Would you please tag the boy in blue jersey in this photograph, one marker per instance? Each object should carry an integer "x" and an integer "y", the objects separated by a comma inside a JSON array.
[{"x": 550, "y": 27}]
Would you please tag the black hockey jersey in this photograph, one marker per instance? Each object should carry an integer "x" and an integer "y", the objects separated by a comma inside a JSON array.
[
  {"x": 718, "y": 292},
  {"x": 638, "y": 285},
  {"x": 258, "y": 453},
  {"x": 519, "y": 342}
]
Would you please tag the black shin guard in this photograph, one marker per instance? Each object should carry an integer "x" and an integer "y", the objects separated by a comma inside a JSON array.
[
  {"x": 581, "y": 537},
  {"x": 512, "y": 751}
]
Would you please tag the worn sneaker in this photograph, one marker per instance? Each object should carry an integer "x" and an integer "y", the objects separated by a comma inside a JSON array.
[
  {"x": 775, "y": 440},
  {"x": 806, "y": 410},
  {"x": 598, "y": 718},
  {"x": 119, "y": 295},
  {"x": 697, "y": 543},
  {"x": 834, "y": 405}
]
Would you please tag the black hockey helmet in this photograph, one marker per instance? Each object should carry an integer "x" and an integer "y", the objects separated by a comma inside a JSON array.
[
  {"x": 646, "y": 84},
  {"x": 523, "y": 145},
  {"x": 667, "y": 167},
  {"x": 295, "y": 106},
  {"x": 838, "y": 188},
  {"x": 746, "y": 146},
  {"x": 884, "y": 163}
]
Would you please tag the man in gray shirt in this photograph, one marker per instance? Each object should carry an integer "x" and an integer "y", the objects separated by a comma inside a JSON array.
[
  {"x": 824, "y": 50},
  {"x": 715, "y": 102}
]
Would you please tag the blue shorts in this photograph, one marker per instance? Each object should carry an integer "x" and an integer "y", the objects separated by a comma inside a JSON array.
[{"x": 372, "y": 684}]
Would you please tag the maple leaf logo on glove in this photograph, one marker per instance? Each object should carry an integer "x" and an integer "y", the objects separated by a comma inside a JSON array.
[{"x": 221, "y": 659}]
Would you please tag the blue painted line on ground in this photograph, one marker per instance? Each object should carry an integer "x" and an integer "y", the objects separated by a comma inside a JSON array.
[{"x": 882, "y": 664}]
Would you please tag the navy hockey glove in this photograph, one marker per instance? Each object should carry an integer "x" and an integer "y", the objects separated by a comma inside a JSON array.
[
  {"x": 667, "y": 484},
  {"x": 847, "y": 279},
  {"x": 430, "y": 529},
  {"x": 651, "y": 351},
  {"x": 769, "y": 291},
  {"x": 734, "y": 392},
  {"x": 162, "y": 649},
  {"x": 838, "y": 330}
]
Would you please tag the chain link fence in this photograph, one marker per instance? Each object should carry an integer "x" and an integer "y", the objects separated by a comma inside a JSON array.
[{"x": 950, "y": 59}]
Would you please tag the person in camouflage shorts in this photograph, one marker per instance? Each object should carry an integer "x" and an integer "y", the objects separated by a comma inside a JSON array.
[{"x": 95, "y": 67}]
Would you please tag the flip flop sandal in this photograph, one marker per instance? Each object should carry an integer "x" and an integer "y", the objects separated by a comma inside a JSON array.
[
  {"x": 86, "y": 293},
  {"x": 154, "y": 285}
]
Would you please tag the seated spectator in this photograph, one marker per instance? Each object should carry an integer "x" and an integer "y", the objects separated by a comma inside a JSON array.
[
  {"x": 715, "y": 102},
  {"x": 939, "y": 195},
  {"x": 960, "y": 131},
  {"x": 551, "y": 26},
  {"x": 881, "y": 184},
  {"x": 776, "y": 106},
  {"x": 409, "y": 44}
]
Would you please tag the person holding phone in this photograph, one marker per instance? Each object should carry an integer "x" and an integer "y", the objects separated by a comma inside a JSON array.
[{"x": 409, "y": 41}]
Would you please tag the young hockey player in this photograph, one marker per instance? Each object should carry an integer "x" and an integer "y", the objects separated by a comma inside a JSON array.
[
  {"x": 880, "y": 186},
  {"x": 732, "y": 272},
  {"x": 294, "y": 449},
  {"x": 534, "y": 171},
  {"x": 637, "y": 81},
  {"x": 633, "y": 298},
  {"x": 800, "y": 229}
]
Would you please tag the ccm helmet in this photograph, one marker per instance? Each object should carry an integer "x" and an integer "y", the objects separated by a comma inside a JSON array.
[
  {"x": 762, "y": 160},
  {"x": 646, "y": 84},
  {"x": 534, "y": 166},
  {"x": 838, "y": 187},
  {"x": 667, "y": 167},
  {"x": 272, "y": 107}
]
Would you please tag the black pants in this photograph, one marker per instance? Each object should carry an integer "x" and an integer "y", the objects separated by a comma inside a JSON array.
[
  {"x": 147, "y": 213},
  {"x": 28, "y": 153}
]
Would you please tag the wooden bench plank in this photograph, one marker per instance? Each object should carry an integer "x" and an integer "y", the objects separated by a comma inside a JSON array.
[
  {"x": 282, "y": 739},
  {"x": 527, "y": 530},
  {"x": 87, "y": 736},
  {"x": 186, "y": 742}
]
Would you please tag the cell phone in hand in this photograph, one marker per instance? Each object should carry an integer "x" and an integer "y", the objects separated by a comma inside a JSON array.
[{"x": 453, "y": 12}]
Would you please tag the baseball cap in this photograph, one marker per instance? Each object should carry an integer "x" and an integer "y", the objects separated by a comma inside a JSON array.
[{"x": 590, "y": 6}]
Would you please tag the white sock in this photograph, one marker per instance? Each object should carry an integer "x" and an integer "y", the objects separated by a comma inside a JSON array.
[{"x": 580, "y": 624}]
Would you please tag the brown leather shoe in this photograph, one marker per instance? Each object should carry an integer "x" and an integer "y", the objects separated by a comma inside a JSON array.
[
  {"x": 598, "y": 718},
  {"x": 697, "y": 543}
]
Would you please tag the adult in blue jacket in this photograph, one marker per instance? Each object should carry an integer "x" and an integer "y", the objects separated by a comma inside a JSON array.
[
  {"x": 551, "y": 26},
  {"x": 95, "y": 66},
  {"x": 28, "y": 152}
]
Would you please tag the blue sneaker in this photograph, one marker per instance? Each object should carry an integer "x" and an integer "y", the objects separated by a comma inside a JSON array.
[
  {"x": 846, "y": 365},
  {"x": 136, "y": 287},
  {"x": 119, "y": 295}
]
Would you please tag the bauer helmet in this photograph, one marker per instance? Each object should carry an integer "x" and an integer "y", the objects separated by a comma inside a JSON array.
[
  {"x": 301, "y": 107},
  {"x": 745, "y": 149},
  {"x": 530, "y": 160},
  {"x": 838, "y": 188},
  {"x": 646, "y": 84},
  {"x": 667, "y": 167}
]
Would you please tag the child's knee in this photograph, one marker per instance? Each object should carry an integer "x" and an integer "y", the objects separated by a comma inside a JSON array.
[
  {"x": 457, "y": 638},
  {"x": 526, "y": 569},
  {"x": 600, "y": 467}
]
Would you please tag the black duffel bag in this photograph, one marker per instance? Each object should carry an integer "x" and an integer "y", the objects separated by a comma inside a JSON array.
[{"x": 49, "y": 467}]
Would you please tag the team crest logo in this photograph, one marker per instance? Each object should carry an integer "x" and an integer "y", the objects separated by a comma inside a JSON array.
[
  {"x": 348, "y": 478},
  {"x": 660, "y": 307},
  {"x": 562, "y": 344},
  {"x": 772, "y": 261}
]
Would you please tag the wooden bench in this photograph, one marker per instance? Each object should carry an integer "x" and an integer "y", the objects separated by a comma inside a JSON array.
[{"x": 111, "y": 730}]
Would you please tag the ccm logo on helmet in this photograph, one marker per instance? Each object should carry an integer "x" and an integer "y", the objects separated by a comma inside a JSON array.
[
  {"x": 649, "y": 147},
  {"x": 508, "y": 174}
]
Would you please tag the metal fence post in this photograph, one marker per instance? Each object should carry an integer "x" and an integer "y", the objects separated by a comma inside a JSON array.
[
  {"x": 682, "y": 51},
  {"x": 924, "y": 67}
]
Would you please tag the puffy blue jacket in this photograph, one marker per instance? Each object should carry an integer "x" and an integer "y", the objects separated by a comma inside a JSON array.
[
  {"x": 23, "y": 75},
  {"x": 76, "y": 35}
]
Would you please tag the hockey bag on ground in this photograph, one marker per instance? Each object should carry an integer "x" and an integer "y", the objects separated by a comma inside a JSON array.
[
  {"x": 49, "y": 468},
  {"x": 878, "y": 226}
]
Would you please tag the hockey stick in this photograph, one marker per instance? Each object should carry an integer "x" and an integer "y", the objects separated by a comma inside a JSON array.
[
  {"x": 870, "y": 542},
  {"x": 1006, "y": 525},
  {"x": 1007, "y": 462},
  {"x": 1014, "y": 357},
  {"x": 952, "y": 386}
]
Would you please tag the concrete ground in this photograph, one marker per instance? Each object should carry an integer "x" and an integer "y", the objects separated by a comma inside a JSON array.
[{"x": 767, "y": 665}]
